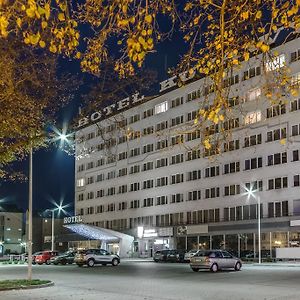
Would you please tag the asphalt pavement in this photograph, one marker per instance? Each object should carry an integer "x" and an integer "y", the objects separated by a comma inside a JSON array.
[{"x": 146, "y": 280}]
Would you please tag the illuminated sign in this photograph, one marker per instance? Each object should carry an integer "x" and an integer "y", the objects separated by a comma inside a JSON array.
[
  {"x": 73, "y": 219},
  {"x": 149, "y": 233},
  {"x": 110, "y": 110}
]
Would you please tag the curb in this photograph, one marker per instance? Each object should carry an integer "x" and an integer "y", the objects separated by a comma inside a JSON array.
[{"x": 30, "y": 287}]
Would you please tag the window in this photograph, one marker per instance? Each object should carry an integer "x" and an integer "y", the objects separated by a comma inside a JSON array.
[
  {"x": 254, "y": 186},
  {"x": 161, "y": 200},
  {"x": 212, "y": 171},
  {"x": 134, "y": 152},
  {"x": 231, "y": 80},
  {"x": 212, "y": 192},
  {"x": 80, "y": 197},
  {"x": 135, "y": 204},
  {"x": 162, "y": 107},
  {"x": 177, "y": 178},
  {"x": 233, "y": 101},
  {"x": 295, "y": 55},
  {"x": 148, "y": 184},
  {"x": 252, "y": 117},
  {"x": 190, "y": 136},
  {"x": 193, "y": 95},
  {"x": 251, "y": 72},
  {"x": 100, "y": 209},
  {"x": 122, "y": 189},
  {"x": 276, "y": 134},
  {"x": 90, "y": 180},
  {"x": 212, "y": 151},
  {"x": 122, "y": 205},
  {"x": 134, "y": 135},
  {"x": 277, "y": 159},
  {"x": 176, "y": 102},
  {"x": 176, "y": 159},
  {"x": 194, "y": 154},
  {"x": 176, "y": 198},
  {"x": 162, "y": 144},
  {"x": 232, "y": 167},
  {"x": 148, "y": 166},
  {"x": 295, "y": 130},
  {"x": 135, "y": 186},
  {"x": 122, "y": 155},
  {"x": 231, "y": 145},
  {"x": 161, "y": 126},
  {"x": 178, "y": 139},
  {"x": 134, "y": 169},
  {"x": 122, "y": 172},
  {"x": 162, "y": 162},
  {"x": 90, "y": 195},
  {"x": 100, "y": 193},
  {"x": 275, "y": 63},
  {"x": 231, "y": 124},
  {"x": 122, "y": 139},
  {"x": 253, "y": 163},
  {"x": 194, "y": 175},
  {"x": 192, "y": 115},
  {"x": 134, "y": 118},
  {"x": 177, "y": 121},
  {"x": 90, "y": 135},
  {"x": 80, "y": 168},
  {"x": 111, "y": 191},
  {"x": 90, "y": 165},
  {"x": 232, "y": 190},
  {"x": 111, "y": 175},
  {"x": 296, "y": 180},
  {"x": 148, "y": 148},
  {"x": 253, "y": 94},
  {"x": 148, "y": 130},
  {"x": 148, "y": 113},
  {"x": 278, "y": 209},
  {"x": 194, "y": 195},
  {"x": 295, "y": 105},
  {"x": 212, "y": 129},
  {"x": 162, "y": 181},
  {"x": 252, "y": 140},
  {"x": 295, "y": 155},
  {"x": 80, "y": 182},
  {"x": 276, "y": 110},
  {"x": 148, "y": 202},
  {"x": 278, "y": 183},
  {"x": 295, "y": 80}
]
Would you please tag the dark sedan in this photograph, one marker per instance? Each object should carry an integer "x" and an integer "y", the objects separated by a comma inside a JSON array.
[{"x": 65, "y": 258}]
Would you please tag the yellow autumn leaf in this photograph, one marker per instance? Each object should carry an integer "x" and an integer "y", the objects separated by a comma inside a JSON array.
[
  {"x": 258, "y": 14},
  {"x": 294, "y": 92},
  {"x": 283, "y": 141},
  {"x": 61, "y": 17},
  {"x": 42, "y": 44},
  {"x": 30, "y": 12},
  {"x": 19, "y": 22},
  {"x": 246, "y": 56},
  {"x": 148, "y": 18},
  {"x": 207, "y": 144},
  {"x": 44, "y": 24},
  {"x": 265, "y": 48}
]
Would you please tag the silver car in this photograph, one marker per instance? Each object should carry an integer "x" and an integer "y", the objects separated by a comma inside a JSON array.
[
  {"x": 90, "y": 257},
  {"x": 214, "y": 260},
  {"x": 190, "y": 254}
]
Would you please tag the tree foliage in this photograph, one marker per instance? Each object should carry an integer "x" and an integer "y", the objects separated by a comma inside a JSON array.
[{"x": 30, "y": 94}]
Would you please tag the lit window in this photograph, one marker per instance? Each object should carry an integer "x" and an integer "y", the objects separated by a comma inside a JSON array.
[
  {"x": 295, "y": 80},
  {"x": 275, "y": 63},
  {"x": 80, "y": 182},
  {"x": 162, "y": 107},
  {"x": 8, "y": 240},
  {"x": 253, "y": 94},
  {"x": 8, "y": 229},
  {"x": 19, "y": 240},
  {"x": 252, "y": 117}
]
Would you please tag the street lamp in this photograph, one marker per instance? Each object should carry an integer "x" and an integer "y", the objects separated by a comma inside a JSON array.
[
  {"x": 250, "y": 193},
  {"x": 63, "y": 138}
]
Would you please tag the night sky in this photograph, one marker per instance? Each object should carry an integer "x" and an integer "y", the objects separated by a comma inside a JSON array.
[{"x": 53, "y": 169}]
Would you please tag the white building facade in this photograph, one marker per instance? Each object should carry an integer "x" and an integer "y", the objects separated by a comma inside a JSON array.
[{"x": 140, "y": 170}]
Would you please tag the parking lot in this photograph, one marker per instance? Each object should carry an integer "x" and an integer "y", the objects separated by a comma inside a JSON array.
[{"x": 146, "y": 280}]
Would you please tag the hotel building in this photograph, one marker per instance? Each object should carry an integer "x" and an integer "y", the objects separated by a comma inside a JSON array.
[{"x": 141, "y": 171}]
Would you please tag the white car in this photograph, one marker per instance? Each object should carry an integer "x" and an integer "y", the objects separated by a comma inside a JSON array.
[
  {"x": 190, "y": 254},
  {"x": 90, "y": 257}
]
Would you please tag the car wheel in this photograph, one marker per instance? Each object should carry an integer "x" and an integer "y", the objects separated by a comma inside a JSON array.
[
  {"x": 33, "y": 262},
  {"x": 156, "y": 260},
  {"x": 90, "y": 263},
  {"x": 115, "y": 262},
  {"x": 195, "y": 269},
  {"x": 238, "y": 266},
  {"x": 40, "y": 263},
  {"x": 214, "y": 268},
  {"x": 63, "y": 262}
]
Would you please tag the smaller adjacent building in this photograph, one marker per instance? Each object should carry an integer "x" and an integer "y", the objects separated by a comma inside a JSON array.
[{"x": 11, "y": 233}]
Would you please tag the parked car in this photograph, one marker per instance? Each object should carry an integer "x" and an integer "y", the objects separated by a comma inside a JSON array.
[
  {"x": 65, "y": 258},
  {"x": 90, "y": 257},
  {"x": 214, "y": 260},
  {"x": 190, "y": 254},
  {"x": 45, "y": 256},
  {"x": 34, "y": 255},
  {"x": 169, "y": 256}
]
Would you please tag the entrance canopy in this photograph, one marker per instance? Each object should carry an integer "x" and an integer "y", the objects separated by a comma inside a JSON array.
[{"x": 97, "y": 233}]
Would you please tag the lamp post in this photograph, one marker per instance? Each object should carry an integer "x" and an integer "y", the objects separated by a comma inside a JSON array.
[{"x": 250, "y": 193}]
